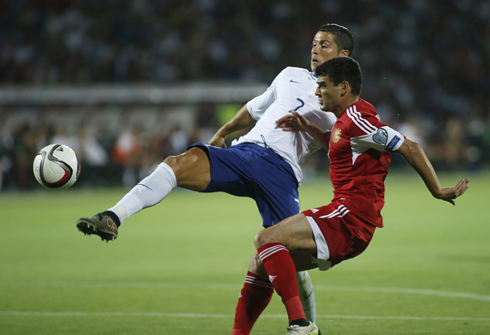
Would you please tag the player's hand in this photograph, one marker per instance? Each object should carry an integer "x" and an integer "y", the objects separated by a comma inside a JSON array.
[
  {"x": 217, "y": 141},
  {"x": 450, "y": 193},
  {"x": 292, "y": 122}
]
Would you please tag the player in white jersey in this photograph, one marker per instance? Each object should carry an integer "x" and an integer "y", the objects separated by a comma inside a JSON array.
[
  {"x": 264, "y": 164},
  {"x": 293, "y": 87}
]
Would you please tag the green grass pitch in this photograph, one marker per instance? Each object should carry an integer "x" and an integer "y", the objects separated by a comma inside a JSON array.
[{"x": 177, "y": 268}]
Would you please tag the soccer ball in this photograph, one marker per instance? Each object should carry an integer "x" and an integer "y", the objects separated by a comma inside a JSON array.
[{"x": 56, "y": 167}]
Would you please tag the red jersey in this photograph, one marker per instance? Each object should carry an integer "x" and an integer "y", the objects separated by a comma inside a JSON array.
[{"x": 359, "y": 153}]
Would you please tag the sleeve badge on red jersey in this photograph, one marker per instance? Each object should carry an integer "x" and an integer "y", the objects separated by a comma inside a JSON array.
[
  {"x": 336, "y": 135},
  {"x": 381, "y": 136}
]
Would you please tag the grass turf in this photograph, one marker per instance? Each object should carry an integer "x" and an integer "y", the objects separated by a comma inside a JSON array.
[{"x": 178, "y": 267}]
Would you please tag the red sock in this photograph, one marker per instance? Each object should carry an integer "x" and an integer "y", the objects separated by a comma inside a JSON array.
[
  {"x": 282, "y": 274},
  {"x": 254, "y": 298}
]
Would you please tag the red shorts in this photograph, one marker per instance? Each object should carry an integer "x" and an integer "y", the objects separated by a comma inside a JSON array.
[{"x": 339, "y": 233}]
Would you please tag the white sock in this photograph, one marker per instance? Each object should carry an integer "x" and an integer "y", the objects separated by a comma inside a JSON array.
[
  {"x": 148, "y": 192},
  {"x": 306, "y": 295}
]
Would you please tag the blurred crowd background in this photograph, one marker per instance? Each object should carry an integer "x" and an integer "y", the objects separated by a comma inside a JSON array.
[{"x": 426, "y": 67}]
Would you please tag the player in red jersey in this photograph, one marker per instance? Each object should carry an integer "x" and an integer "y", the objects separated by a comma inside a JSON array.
[{"x": 359, "y": 147}]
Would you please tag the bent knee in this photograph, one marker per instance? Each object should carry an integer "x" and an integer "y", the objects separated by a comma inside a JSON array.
[{"x": 262, "y": 238}]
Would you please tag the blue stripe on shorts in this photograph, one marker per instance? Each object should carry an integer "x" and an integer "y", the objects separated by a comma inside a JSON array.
[{"x": 250, "y": 170}]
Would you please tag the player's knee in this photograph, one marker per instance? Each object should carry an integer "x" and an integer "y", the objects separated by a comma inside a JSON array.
[
  {"x": 171, "y": 161},
  {"x": 191, "y": 168},
  {"x": 262, "y": 238},
  {"x": 180, "y": 164},
  {"x": 185, "y": 161}
]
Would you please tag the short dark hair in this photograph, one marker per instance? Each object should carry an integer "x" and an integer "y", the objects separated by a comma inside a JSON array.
[
  {"x": 343, "y": 37},
  {"x": 341, "y": 69}
]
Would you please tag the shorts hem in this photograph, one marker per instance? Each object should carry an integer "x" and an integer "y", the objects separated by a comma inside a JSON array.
[{"x": 323, "y": 252}]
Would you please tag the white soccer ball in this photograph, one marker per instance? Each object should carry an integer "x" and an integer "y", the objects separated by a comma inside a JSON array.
[{"x": 56, "y": 167}]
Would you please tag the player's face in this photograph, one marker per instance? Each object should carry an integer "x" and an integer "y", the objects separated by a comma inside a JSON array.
[
  {"x": 323, "y": 48},
  {"x": 329, "y": 95}
]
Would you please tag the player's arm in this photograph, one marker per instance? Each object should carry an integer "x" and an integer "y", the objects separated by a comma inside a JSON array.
[
  {"x": 415, "y": 156},
  {"x": 240, "y": 121},
  {"x": 297, "y": 122}
]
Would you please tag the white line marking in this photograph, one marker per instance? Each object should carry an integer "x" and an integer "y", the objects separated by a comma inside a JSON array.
[
  {"x": 194, "y": 315},
  {"x": 401, "y": 317},
  {"x": 404, "y": 291},
  {"x": 149, "y": 285}
]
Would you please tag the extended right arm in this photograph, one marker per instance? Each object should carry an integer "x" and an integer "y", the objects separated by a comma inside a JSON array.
[{"x": 240, "y": 121}]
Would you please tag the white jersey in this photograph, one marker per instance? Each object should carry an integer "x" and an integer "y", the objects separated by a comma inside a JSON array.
[{"x": 293, "y": 88}]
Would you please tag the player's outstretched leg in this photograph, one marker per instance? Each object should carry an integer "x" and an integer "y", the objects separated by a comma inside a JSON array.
[
  {"x": 189, "y": 170},
  {"x": 102, "y": 224},
  {"x": 146, "y": 193}
]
